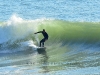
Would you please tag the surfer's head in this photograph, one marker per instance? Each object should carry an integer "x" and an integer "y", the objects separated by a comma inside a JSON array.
[{"x": 44, "y": 30}]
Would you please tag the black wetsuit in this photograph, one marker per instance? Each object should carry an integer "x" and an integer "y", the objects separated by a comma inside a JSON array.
[{"x": 45, "y": 37}]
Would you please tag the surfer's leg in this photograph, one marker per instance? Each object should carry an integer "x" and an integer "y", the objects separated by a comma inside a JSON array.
[
  {"x": 43, "y": 44},
  {"x": 42, "y": 41}
]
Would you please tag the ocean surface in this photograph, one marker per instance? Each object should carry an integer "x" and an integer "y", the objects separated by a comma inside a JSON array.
[{"x": 73, "y": 47}]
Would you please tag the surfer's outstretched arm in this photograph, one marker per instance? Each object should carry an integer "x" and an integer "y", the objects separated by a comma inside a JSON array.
[{"x": 38, "y": 32}]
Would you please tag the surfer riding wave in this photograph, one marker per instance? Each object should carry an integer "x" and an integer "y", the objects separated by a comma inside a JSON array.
[{"x": 45, "y": 37}]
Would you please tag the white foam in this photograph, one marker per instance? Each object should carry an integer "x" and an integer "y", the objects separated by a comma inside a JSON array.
[
  {"x": 29, "y": 43},
  {"x": 17, "y": 28},
  {"x": 14, "y": 20}
]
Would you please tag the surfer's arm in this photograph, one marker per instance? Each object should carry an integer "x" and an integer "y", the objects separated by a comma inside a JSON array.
[{"x": 38, "y": 32}]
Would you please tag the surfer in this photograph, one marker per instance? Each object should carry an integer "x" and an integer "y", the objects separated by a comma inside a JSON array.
[{"x": 45, "y": 37}]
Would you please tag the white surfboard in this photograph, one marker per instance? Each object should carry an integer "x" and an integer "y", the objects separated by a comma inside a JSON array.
[{"x": 41, "y": 48}]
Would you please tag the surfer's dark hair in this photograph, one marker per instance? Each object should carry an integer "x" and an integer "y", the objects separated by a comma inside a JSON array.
[{"x": 43, "y": 29}]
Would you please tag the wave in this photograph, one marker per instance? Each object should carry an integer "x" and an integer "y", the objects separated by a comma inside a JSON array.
[
  {"x": 70, "y": 44},
  {"x": 16, "y": 30}
]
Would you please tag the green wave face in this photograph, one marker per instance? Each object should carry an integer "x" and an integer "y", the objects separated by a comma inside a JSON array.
[
  {"x": 72, "y": 31},
  {"x": 58, "y": 30}
]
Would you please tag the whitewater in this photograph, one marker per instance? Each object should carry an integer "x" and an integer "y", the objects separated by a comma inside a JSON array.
[{"x": 73, "y": 47}]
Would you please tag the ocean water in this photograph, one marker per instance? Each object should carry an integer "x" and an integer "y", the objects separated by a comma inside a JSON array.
[{"x": 73, "y": 47}]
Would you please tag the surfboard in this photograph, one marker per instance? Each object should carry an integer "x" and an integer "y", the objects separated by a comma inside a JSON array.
[{"x": 41, "y": 50}]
